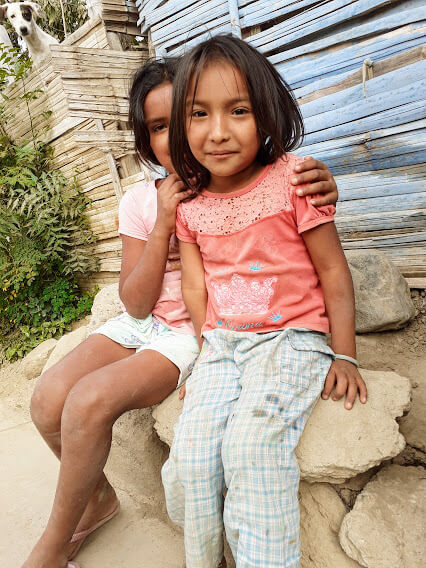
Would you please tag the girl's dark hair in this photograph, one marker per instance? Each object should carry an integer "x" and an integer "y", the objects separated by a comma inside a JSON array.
[
  {"x": 278, "y": 118},
  {"x": 152, "y": 74}
]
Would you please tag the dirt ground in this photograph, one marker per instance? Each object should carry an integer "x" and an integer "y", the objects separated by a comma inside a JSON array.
[{"x": 140, "y": 535}]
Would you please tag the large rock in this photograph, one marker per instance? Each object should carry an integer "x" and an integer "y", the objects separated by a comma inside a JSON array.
[
  {"x": 321, "y": 514},
  {"x": 413, "y": 426},
  {"x": 385, "y": 529},
  {"x": 166, "y": 415},
  {"x": 337, "y": 443},
  {"x": 66, "y": 344},
  {"x": 107, "y": 304},
  {"x": 34, "y": 362},
  {"x": 382, "y": 295}
]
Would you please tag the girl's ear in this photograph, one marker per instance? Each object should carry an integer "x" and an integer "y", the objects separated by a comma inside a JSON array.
[
  {"x": 35, "y": 9},
  {"x": 3, "y": 12}
]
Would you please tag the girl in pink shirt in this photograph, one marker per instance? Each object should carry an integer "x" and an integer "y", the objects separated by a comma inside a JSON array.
[
  {"x": 264, "y": 278},
  {"x": 136, "y": 359}
]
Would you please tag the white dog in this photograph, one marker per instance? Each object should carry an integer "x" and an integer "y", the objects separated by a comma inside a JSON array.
[{"x": 22, "y": 16}]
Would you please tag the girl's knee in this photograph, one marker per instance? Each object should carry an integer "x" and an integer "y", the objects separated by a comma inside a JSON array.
[
  {"x": 88, "y": 406},
  {"x": 239, "y": 451},
  {"x": 47, "y": 401}
]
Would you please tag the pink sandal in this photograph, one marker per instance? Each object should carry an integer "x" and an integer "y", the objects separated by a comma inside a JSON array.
[{"x": 80, "y": 537}]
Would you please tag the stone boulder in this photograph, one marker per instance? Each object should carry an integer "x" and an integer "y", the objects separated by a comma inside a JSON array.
[
  {"x": 166, "y": 415},
  {"x": 385, "y": 527},
  {"x": 413, "y": 426},
  {"x": 337, "y": 443},
  {"x": 65, "y": 344},
  {"x": 382, "y": 295},
  {"x": 107, "y": 304},
  {"x": 33, "y": 363},
  {"x": 321, "y": 514}
]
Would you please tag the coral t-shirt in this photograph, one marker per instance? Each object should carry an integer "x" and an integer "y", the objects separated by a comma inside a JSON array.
[
  {"x": 259, "y": 275},
  {"x": 136, "y": 217}
]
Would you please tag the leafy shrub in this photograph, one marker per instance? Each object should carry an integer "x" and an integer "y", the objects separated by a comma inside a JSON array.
[{"x": 45, "y": 243}]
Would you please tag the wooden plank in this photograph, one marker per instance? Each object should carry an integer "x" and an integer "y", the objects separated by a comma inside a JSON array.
[
  {"x": 374, "y": 25},
  {"x": 309, "y": 93},
  {"x": 408, "y": 112},
  {"x": 320, "y": 18},
  {"x": 336, "y": 66},
  {"x": 112, "y": 166},
  {"x": 417, "y": 283}
]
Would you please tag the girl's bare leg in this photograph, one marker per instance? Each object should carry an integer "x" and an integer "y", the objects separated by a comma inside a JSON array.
[
  {"x": 90, "y": 410},
  {"x": 48, "y": 402}
]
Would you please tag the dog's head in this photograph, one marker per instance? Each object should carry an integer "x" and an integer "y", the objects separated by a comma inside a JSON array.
[{"x": 21, "y": 15}]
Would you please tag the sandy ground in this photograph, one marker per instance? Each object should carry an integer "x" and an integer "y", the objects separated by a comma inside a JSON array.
[{"x": 27, "y": 482}]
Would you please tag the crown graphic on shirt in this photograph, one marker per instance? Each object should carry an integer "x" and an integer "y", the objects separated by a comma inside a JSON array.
[{"x": 242, "y": 297}]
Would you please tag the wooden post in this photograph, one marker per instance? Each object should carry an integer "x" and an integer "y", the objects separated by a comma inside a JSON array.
[
  {"x": 111, "y": 165},
  {"x": 63, "y": 18},
  {"x": 235, "y": 18}
]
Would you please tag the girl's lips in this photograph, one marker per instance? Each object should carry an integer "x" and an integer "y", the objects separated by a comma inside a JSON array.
[{"x": 220, "y": 155}]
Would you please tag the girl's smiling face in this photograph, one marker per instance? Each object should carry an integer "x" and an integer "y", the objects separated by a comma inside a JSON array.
[
  {"x": 157, "y": 110},
  {"x": 221, "y": 127}
]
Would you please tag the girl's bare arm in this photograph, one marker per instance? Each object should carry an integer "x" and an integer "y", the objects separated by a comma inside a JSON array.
[
  {"x": 193, "y": 285},
  {"x": 144, "y": 262},
  {"x": 142, "y": 271},
  {"x": 330, "y": 263}
]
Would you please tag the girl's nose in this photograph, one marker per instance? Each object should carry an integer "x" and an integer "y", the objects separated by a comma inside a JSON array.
[{"x": 218, "y": 130}]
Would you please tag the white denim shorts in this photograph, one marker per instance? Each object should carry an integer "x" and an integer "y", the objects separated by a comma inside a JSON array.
[{"x": 149, "y": 333}]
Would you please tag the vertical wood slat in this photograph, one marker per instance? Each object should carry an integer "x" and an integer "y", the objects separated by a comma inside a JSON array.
[{"x": 111, "y": 165}]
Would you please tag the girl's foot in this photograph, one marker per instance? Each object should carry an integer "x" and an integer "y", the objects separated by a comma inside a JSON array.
[
  {"x": 103, "y": 503},
  {"x": 42, "y": 556}
]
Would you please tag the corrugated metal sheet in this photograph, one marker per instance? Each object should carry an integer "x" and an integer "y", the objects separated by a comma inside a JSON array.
[{"x": 367, "y": 124}]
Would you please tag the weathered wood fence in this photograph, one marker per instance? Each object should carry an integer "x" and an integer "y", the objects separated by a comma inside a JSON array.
[
  {"x": 357, "y": 68},
  {"x": 85, "y": 87}
]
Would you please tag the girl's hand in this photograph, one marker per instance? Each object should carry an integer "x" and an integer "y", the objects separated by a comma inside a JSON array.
[
  {"x": 320, "y": 180},
  {"x": 344, "y": 377},
  {"x": 182, "y": 392},
  {"x": 170, "y": 193}
]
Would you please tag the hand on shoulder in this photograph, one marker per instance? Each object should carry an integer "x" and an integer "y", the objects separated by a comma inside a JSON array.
[{"x": 318, "y": 179}]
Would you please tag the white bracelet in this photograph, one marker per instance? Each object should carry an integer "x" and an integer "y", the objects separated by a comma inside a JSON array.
[{"x": 347, "y": 358}]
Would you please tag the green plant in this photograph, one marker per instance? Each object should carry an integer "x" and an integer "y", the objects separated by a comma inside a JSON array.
[
  {"x": 45, "y": 238},
  {"x": 45, "y": 243},
  {"x": 75, "y": 13}
]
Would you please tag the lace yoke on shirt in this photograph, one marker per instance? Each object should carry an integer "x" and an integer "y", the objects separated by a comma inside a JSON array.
[{"x": 224, "y": 216}]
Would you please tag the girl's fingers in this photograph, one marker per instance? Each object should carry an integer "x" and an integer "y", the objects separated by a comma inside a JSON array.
[
  {"x": 309, "y": 163},
  {"x": 329, "y": 199},
  {"x": 351, "y": 394},
  {"x": 341, "y": 387},
  {"x": 183, "y": 194},
  {"x": 310, "y": 176},
  {"x": 362, "y": 390},
  {"x": 182, "y": 392},
  {"x": 328, "y": 385}
]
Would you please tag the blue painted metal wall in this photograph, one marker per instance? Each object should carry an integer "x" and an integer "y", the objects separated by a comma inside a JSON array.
[{"x": 357, "y": 68}]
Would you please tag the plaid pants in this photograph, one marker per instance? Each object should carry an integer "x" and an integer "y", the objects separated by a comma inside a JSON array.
[{"x": 247, "y": 402}]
